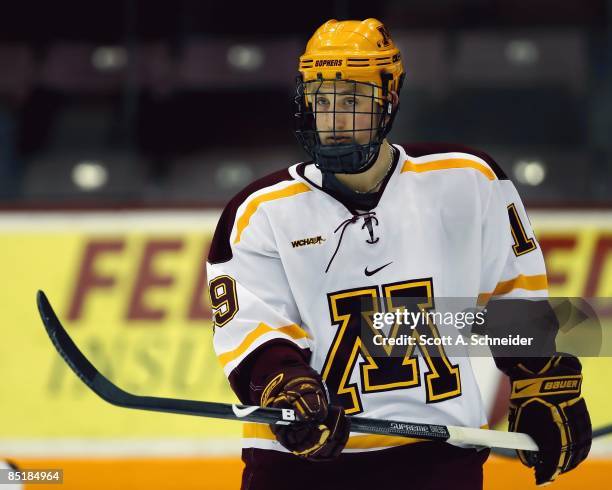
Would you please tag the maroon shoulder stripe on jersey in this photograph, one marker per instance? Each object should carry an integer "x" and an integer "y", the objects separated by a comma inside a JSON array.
[
  {"x": 220, "y": 248},
  {"x": 422, "y": 149}
]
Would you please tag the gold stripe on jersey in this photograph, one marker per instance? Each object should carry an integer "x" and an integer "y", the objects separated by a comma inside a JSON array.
[
  {"x": 375, "y": 440},
  {"x": 363, "y": 441},
  {"x": 261, "y": 431},
  {"x": 252, "y": 206},
  {"x": 530, "y": 283},
  {"x": 251, "y": 430},
  {"x": 293, "y": 331},
  {"x": 448, "y": 163}
]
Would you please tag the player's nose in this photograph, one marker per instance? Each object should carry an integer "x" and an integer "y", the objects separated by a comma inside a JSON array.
[
  {"x": 339, "y": 121},
  {"x": 331, "y": 121}
]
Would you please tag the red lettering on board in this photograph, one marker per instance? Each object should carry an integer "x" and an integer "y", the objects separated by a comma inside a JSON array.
[
  {"x": 88, "y": 279},
  {"x": 548, "y": 245},
  {"x": 199, "y": 307},
  {"x": 147, "y": 278},
  {"x": 603, "y": 248}
]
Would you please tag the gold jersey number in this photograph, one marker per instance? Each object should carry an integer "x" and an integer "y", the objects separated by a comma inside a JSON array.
[{"x": 223, "y": 299}]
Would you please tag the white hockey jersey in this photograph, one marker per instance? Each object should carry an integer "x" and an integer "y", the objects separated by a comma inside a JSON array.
[{"x": 291, "y": 262}]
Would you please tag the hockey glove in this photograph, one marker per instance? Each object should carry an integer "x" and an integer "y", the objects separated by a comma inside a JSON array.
[
  {"x": 545, "y": 403},
  {"x": 323, "y": 433}
]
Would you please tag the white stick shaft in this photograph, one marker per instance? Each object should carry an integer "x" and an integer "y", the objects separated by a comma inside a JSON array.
[{"x": 491, "y": 438}]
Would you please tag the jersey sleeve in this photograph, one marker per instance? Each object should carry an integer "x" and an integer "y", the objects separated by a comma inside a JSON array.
[
  {"x": 513, "y": 284},
  {"x": 252, "y": 302},
  {"x": 513, "y": 265}
]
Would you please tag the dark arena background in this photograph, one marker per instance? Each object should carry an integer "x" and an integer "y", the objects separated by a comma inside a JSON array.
[{"x": 125, "y": 128}]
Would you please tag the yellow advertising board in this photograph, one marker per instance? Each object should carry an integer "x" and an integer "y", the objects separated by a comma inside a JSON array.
[{"x": 131, "y": 289}]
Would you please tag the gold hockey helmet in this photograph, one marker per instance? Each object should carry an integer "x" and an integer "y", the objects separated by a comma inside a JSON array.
[
  {"x": 357, "y": 50},
  {"x": 361, "y": 52}
]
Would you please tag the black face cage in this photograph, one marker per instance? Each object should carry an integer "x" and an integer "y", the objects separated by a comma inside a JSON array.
[{"x": 335, "y": 149}]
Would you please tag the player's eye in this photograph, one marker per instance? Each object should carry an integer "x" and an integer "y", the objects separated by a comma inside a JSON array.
[{"x": 322, "y": 101}]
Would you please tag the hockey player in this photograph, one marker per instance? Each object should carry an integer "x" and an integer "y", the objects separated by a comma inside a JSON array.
[{"x": 301, "y": 257}]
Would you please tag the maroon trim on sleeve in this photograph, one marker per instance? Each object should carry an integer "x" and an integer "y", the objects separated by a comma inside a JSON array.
[
  {"x": 247, "y": 380},
  {"x": 422, "y": 149},
  {"x": 220, "y": 248}
]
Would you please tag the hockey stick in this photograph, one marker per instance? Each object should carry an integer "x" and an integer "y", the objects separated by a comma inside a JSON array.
[{"x": 116, "y": 396}]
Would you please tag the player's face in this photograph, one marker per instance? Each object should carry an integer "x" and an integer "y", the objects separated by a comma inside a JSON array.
[{"x": 345, "y": 112}]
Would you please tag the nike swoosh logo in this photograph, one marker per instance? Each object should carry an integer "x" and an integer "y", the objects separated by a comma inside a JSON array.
[
  {"x": 518, "y": 390},
  {"x": 370, "y": 273},
  {"x": 243, "y": 412}
]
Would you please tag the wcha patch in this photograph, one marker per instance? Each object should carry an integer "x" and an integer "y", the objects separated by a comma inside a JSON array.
[{"x": 317, "y": 240}]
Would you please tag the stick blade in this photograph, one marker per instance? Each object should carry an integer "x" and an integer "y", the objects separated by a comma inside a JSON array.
[{"x": 71, "y": 354}]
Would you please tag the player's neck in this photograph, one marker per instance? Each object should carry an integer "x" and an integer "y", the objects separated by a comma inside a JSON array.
[{"x": 371, "y": 179}]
